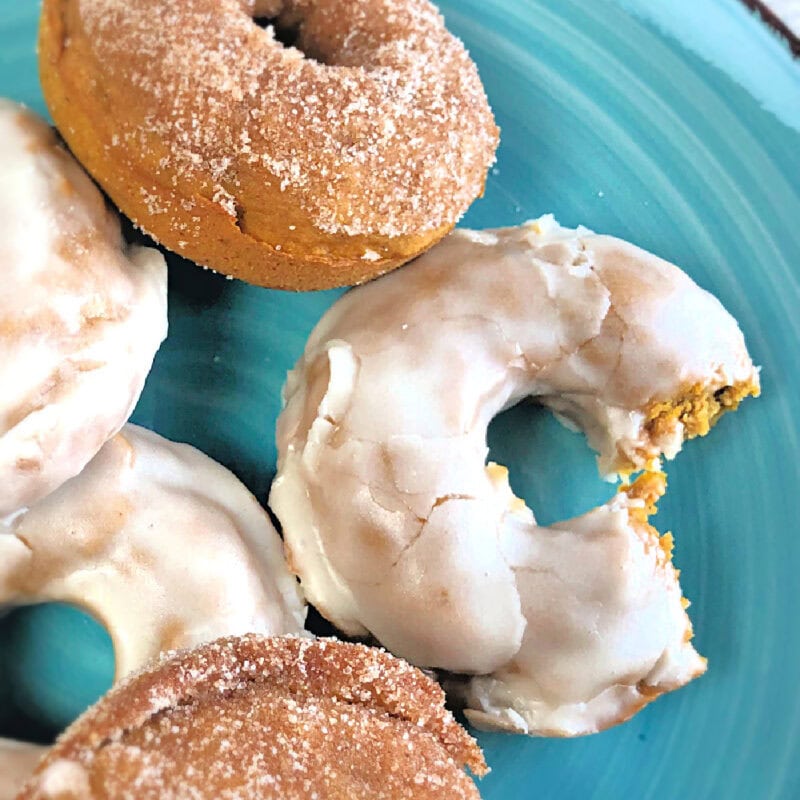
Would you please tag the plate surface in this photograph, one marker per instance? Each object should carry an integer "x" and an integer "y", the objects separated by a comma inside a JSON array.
[{"x": 678, "y": 129}]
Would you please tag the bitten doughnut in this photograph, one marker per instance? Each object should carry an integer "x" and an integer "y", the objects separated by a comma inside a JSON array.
[
  {"x": 389, "y": 512},
  {"x": 81, "y": 314},
  {"x": 275, "y": 719},
  {"x": 17, "y": 762},
  {"x": 302, "y": 167},
  {"x": 161, "y": 544}
]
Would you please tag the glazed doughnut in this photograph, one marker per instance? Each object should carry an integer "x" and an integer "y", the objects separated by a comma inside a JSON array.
[
  {"x": 389, "y": 512},
  {"x": 17, "y": 762},
  {"x": 266, "y": 718},
  {"x": 81, "y": 314},
  {"x": 291, "y": 168},
  {"x": 160, "y": 543}
]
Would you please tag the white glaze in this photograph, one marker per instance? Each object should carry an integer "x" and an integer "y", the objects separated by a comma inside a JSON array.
[
  {"x": 81, "y": 314},
  {"x": 606, "y": 632},
  {"x": 394, "y": 523},
  {"x": 17, "y": 762},
  {"x": 159, "y": 542}
]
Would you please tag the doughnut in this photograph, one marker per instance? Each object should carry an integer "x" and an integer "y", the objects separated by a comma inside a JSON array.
[
  {"x": 296, "y": 167},
  {"x": 389, "y": 512},
  {"x": 81, "y": 314},
  {"x": 158, "y": 542},
  {"x": 255, "y": 717},
  {"x": 17, "y": 762}
]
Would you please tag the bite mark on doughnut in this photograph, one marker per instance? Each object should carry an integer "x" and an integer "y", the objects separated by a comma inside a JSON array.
[{"x": 698, "y": 408}]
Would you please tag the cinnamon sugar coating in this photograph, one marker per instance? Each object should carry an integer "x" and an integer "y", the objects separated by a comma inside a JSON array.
[
  {"x": 295, "y": 167},
  {"x": 269, "y": 718}
]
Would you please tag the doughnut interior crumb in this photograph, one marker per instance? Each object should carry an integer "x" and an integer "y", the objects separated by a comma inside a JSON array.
[
  {"x": 650, "y": 487},
  {"x": 698, "y": 408}
]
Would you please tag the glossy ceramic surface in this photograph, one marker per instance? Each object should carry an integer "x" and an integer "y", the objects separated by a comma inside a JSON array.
[{"x": 677, "y": 126}]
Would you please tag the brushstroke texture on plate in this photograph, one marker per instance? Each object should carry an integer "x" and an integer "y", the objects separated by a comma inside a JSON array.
[{"x": 676, "y": 126}]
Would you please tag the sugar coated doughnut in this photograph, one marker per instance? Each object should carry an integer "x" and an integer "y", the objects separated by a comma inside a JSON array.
[
  {"x": 303, "y": 167},
  {"x": 266, "y": 718},
  {"x": 160, "y": 543},
  {"x": 17, "y": 762},
  {"x": 81, "y": 314},
  {"x": 394, "y": 522}
]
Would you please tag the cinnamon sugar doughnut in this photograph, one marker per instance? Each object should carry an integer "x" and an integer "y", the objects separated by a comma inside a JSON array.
[
  {"x": 394, "y": 522},
  {"x": 291, "y": 168},
  {"x": 160, "y": 543},
  {"x": 278, "y": 719},
  {"x": 81, "y": 314}
]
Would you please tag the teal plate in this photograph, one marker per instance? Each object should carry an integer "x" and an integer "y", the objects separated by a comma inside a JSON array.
[{"x": 677, "y": 126}]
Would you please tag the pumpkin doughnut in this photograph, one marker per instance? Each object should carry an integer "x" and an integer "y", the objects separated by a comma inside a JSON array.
[
  {"x": 160, "y": 543},
  {"x": 389, "y": 512},
  {"x": 81, "y": 314},
  {"x": 292, "y": 168},
  {"x": 17, "y": 762},
  {"x": 276, "y": 719}
]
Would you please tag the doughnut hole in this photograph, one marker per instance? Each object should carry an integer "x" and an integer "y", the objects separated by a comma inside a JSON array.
[
  {"x": 337, "y": 33},
  {"x": 286, "y": 28},
  {"x": 284, "y": 22},
  {"x": 549, "y": 466},
  {"x": 55, "y": 661},
  {"x": 287, "y": 35}
]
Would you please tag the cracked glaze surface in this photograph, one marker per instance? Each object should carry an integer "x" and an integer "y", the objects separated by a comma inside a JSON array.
[
  {"x": 81, "y": 314},
  {"x": 159, "y": 542},
  {"x": 390, "y": 513}
]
